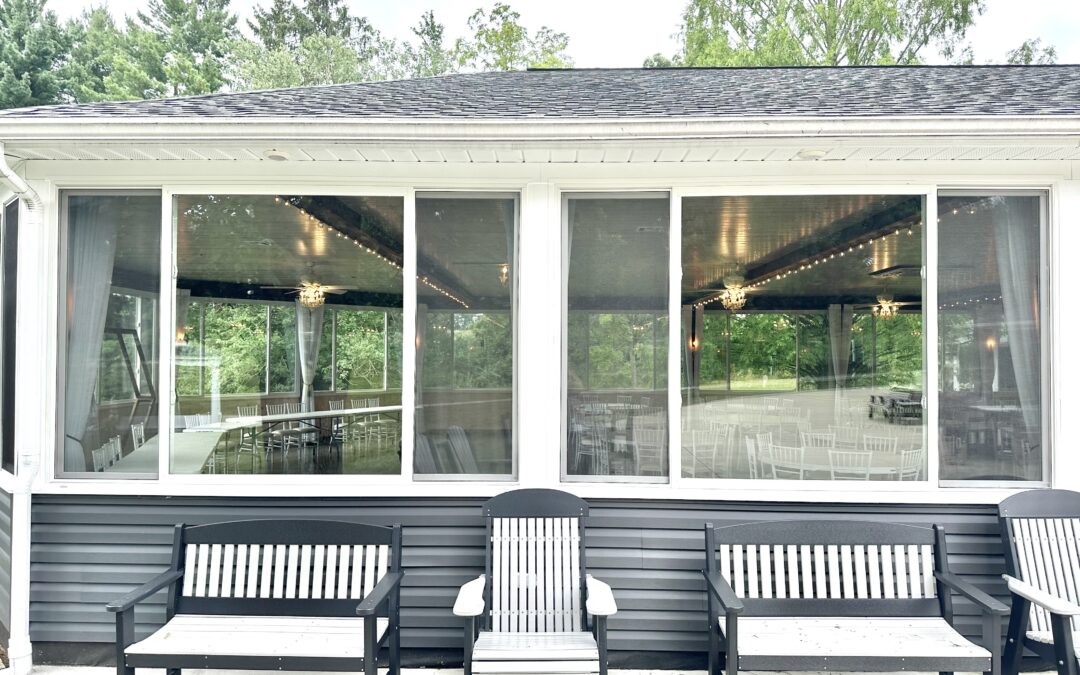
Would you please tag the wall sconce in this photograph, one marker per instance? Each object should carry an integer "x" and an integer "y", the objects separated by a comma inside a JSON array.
[
  {"x": 181, "y": 336},
  {"x": 991, "y": 343},
  {"x": 694, "y": 344}
]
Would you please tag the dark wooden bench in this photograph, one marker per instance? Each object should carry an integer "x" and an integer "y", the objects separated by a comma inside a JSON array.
[
  {"x": 839, "y": 596},
  {"x": 271, "y": 595}
]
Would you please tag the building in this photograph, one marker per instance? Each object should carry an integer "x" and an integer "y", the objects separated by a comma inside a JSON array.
[{"x": 684, "y": 295}]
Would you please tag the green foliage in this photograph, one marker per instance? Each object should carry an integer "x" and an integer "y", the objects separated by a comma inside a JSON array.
[
  {"x": 617, "y": 351},
  {"x": 361, "y": 350},
  {"x": 500, "y": 42},
  {"x": 317, "y": 60},
  {"x": 429, "y": 56},
  {"x": 819, "y": 32},
  {"x": 1032, "y": 52},
  {"x": 33, "y": 47},
  {"x": 99, "y": 64},
  {"x": 176, "y": 48},
  {"x": 234, "y": 342}
]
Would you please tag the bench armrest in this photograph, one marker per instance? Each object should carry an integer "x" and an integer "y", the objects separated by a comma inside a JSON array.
[
  {"x": 599, "y": 601},
  {"x": 721, "y": 590},
  {"x": 470, "y": 599},
  {"x": 126, "y": 602},
  {"x": 986, "y": 603},
  {"x": 378, "y": 595},
  {"x": 1050, "y": 603}
]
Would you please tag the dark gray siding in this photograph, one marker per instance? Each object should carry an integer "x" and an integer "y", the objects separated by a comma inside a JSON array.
[
  {"x": 86, "y": 550},
  {"x": 5, "y": 565}
]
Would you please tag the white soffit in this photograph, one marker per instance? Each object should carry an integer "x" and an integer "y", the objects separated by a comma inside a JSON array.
[{"x": 575, "y": 153}]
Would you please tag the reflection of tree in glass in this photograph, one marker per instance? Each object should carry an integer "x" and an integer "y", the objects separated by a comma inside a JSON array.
[
  {"x": 483, "y": 351},
  {"x": 627, "y": 351},
  {"x": 235, "y": 338},
  {"x": 283, "y": 377},
  {"x": 361, "y": 349}
]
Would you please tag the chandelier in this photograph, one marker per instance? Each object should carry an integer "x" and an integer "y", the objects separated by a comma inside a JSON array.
[
  {"x": 733, "y": 298},
  {"x": 312, "y": 294},
  {"x": 504, "y": 273},
  {"x": 886, "y": 307}
]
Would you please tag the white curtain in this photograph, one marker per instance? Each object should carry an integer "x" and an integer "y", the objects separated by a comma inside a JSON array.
[
  {"x": 840, "y": 317},
  {"x": 309, "y": 322},
  {"x": 91, "y": 251},
  {"x": 1016, "y": 241},
  {"x": 421, "y": 340}
]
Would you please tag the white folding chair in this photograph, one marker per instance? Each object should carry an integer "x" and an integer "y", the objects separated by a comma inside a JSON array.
[
  {"x": 817, "y": 439},
  {"x": 786, "y": 463},
  {"x": 849, "y": 465},
  {"x": 879, "y": 443}
]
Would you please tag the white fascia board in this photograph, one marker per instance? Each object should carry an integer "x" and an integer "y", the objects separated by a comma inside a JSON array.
[{"x": 278, "y": 129}]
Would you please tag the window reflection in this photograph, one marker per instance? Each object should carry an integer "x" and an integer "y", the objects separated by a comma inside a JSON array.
[
  {"x": 990, "y": 336},
  {"x": 465, "y": 334},
  {"x": 809, "y": 378},
  {"x": 110, "y": 396},
  {"x": 285, "y": 334},
  {"x": 617, "y": 336}
]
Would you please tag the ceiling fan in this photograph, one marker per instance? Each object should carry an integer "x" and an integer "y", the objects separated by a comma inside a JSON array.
[{"x": 311, "y": 293}]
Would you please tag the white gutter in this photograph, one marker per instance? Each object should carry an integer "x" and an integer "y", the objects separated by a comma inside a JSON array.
[
  {"x": 20, "y": 652},
  {"x": 314, "y": 128}
]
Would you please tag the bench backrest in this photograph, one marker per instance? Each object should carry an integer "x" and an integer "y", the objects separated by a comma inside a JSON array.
[
  {"x": 1041, "y": 529},
  {"x": 281, "y": 567},
  {"x": 535, "y": 561},
  {"x": 830, "y": 568}
]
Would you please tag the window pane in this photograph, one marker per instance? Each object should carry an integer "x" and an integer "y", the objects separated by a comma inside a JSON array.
[
  {"x": 990, "y": 313},
  {"x": 112, "y": 251},
  {"x": 616, "y": 338},
  {"x": 8, "y": 277},
  {"x": 791, "y": 367},
  {"x": 265, "y": 279},
  {"x": 465, "y": 329}
]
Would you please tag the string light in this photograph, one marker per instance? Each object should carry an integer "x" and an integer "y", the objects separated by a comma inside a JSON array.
[
  {"x": 970, "y": 302},
  {"x": 370, "y": 251},
  {"x": 805, "y": 265}
]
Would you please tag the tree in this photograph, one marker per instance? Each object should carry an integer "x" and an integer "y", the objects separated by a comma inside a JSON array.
[
  {"x": 178, "y": 48},
  {"x": 98, "y": 55},
  {"x": 317, "y": 60},
  {"x": 821, "y": 32},
  {"x": 429, "y": 57},
  {"x": 1031, "y": 52},
  {"x": 32, "y": 49},
  {"x": 500, "y": 42}
]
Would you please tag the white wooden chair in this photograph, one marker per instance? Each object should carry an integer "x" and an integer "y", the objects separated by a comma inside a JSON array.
[
  {"x": 879, "y": 443},
  {"x": 849, "y": 465},
  {"x": 911, "y": 464},
  {"x": 530, "y": 611},
  {"x": 1041, "y": 533},
  {"x": 785, "y": 463},
  {"x": 817, "y": 439},
  {"x": 138, "y": 435}
]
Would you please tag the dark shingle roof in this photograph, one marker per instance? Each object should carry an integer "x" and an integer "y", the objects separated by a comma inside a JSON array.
[{"x": 640, "y": 94}]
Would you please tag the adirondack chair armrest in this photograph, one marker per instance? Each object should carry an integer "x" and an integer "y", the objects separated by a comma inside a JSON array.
[
  {"x": 600, "y": 601},
  {"x": 470, "y": 599},
  {"x": 126, "y": 602},
  {"x": 723, "y": 593},
  {"x": 369, "y": 606},
  {"x": 1050, "y": 603},
  {"x": 965, "y": 588}
]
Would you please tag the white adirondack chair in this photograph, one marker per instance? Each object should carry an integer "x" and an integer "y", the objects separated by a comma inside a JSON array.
[
  {"x": 1041, "y": 532},
  {"x": 530, "y": 612}
]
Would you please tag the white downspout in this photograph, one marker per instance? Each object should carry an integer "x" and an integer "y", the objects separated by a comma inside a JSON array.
[{"x": 20, "y": 654}]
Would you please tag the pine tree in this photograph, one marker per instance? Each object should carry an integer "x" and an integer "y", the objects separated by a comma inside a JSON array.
[{"x": 33, "y": 47}]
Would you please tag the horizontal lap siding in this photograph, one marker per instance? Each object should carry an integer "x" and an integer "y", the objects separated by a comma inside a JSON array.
[
  {"x": 5, "y": 563},
  {"x": 87, "y": 550}
]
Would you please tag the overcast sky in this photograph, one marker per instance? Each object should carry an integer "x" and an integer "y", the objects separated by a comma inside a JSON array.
[{"x": 617, "y": 33}]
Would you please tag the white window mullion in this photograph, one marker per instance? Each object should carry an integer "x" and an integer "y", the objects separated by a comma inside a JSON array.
[
  {"x": 166, "y": 392},
  {"x": 408, "y": 336},
  {"x": 675, "y": 338},
  {"x": 930, "y": 338}
]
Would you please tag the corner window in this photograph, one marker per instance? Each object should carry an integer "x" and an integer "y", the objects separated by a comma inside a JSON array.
[{"x": 111, "y": 256}]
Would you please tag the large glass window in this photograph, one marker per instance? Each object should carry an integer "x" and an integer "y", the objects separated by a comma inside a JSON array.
[
  {"x": 9, "y": 249},
  {"x": 803, "y": 348},
  {"x": 283, "y": 340},
  {"x": 616, "y": 336},
  {"x": 465, "y": 334},
  {"x": 990, "y": 318},
  {"x": 111, "y": 254}
]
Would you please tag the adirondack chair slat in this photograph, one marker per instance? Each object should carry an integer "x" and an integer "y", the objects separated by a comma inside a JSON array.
[
  {"x": 793, "y": 569},
  {"x": 779, "y": 574},
  {"x": 228, "y": 570}
]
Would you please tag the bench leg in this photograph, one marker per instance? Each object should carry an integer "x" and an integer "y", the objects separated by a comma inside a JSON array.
[
  {"x": 371, "y": 647},
  {"x": 991, "y": 634},
  {"x": 125, "y": 636}
]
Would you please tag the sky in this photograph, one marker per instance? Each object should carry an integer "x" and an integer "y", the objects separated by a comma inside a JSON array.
[{"x": 622, "y": 33}]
